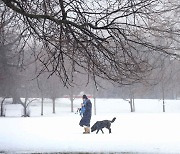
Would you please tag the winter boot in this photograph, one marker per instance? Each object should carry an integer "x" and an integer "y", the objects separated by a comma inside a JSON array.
[
  {"x": 84, "y": 130},
  {"x": 87, "y": 130}
]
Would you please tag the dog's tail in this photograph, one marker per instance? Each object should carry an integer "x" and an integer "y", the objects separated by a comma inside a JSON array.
[{"x": 113, "y": 120}]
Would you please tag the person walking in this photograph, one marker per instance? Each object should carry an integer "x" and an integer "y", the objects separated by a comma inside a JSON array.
[{"x": 86, "y": 115}]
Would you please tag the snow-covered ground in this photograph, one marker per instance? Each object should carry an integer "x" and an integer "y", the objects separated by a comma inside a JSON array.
[{"x": 148, "y": 130}]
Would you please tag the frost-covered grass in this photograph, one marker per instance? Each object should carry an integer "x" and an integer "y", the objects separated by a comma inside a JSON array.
[{"x": 148, "y": 130}]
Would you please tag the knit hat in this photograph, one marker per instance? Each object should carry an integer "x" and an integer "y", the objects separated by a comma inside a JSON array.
[{"x": 84, "y": 97}]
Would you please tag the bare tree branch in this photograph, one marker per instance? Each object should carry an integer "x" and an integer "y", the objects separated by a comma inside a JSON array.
[{"x": 112, "y": 40}]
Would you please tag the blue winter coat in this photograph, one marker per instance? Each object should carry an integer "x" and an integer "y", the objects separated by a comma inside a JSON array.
[
  {"x": 85, "y": 121},
  {"x": 83, "y": 108}
]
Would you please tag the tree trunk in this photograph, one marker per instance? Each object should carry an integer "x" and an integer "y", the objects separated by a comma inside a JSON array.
[
  {"x": 94, "y": 106},
  {"x": 132, "y": 104},
  {"x": 42, "y": 106},
  {"x": 54, "y": 105},
  {"x": 42, "y": 96},
  {"x": 164, "y": 107},
  {"x": 72, "y": 106},
  {"x": 94, "y": 95},
  {"x": 24, "y": 104},
  {"x": 71, "y": 99},
  {"x": 2, "y": 107},
  {"x": 25, "y": 111},
  {"x": 163, "y": 94}
]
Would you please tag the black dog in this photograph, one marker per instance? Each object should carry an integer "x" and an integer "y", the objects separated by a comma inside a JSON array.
[{"x": 99, "y": 125}]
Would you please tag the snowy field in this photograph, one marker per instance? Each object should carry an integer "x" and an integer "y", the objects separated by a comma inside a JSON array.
[{"x": 146, "y": 131}]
